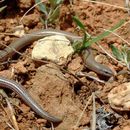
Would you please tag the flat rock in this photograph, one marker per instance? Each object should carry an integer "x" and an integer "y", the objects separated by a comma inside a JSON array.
[
  {"x": 119, "y": 97},
  {"x": 55, "y": 48}
]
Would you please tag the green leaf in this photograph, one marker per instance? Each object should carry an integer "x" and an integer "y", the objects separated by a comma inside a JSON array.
[
  {"x": 2, "y": 8},
  {"x": 84, "y": 39},
  {"x": 116, "y": 52},
  {"x": 76, "y": 46},
  {"x": 41, "y": 7},
  {"x": 104, "y": 34},
  {"x": 128, "y": 55},
  {"x": 59, "y": 1},
  {"x": 55, "y": 14},
  {"x": 55, "y": 3},
  {"x": 42, "y": 20},
  {"x": 78, "y": 22}
]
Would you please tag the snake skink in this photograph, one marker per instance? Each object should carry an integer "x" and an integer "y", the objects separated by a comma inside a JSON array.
[{"x": 26, "y": 40}]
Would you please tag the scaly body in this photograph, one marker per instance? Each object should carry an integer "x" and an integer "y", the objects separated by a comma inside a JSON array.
[{"x": 26, "y": 40}]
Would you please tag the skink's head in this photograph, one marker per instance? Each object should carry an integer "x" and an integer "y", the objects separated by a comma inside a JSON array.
[
  {"x": 104, "y": 70},
  {"x": 91, "y": 64}
]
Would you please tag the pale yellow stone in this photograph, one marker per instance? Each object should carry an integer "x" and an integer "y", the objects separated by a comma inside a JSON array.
[
  {"x": 55, "y": 48},
  {"x": 119, "y": 97}
]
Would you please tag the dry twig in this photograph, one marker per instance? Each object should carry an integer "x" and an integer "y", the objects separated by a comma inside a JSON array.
[
  {"x": 12, "y": 116},
  {"x": 6, "y": 97},
  {"x": 81, "y": 115},
  {"x": 93, "y": 125}
]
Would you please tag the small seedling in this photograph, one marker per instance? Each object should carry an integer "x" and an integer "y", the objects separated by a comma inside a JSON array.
[
  {"x": 88, "y": 40},
  {"x": 50, "y": 11},
  {"x": 122, "y": 55},
  {"x": 78, "y": 46}
]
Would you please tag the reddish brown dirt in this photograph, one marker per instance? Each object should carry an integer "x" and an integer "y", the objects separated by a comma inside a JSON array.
[{"x": 56, "y": 90}]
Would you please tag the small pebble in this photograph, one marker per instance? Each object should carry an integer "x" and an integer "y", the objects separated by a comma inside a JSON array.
[
  {"x": 41, "y": 121},
  {"x": 7, "y": 38},
  {"x": 119, "y": 97}
]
